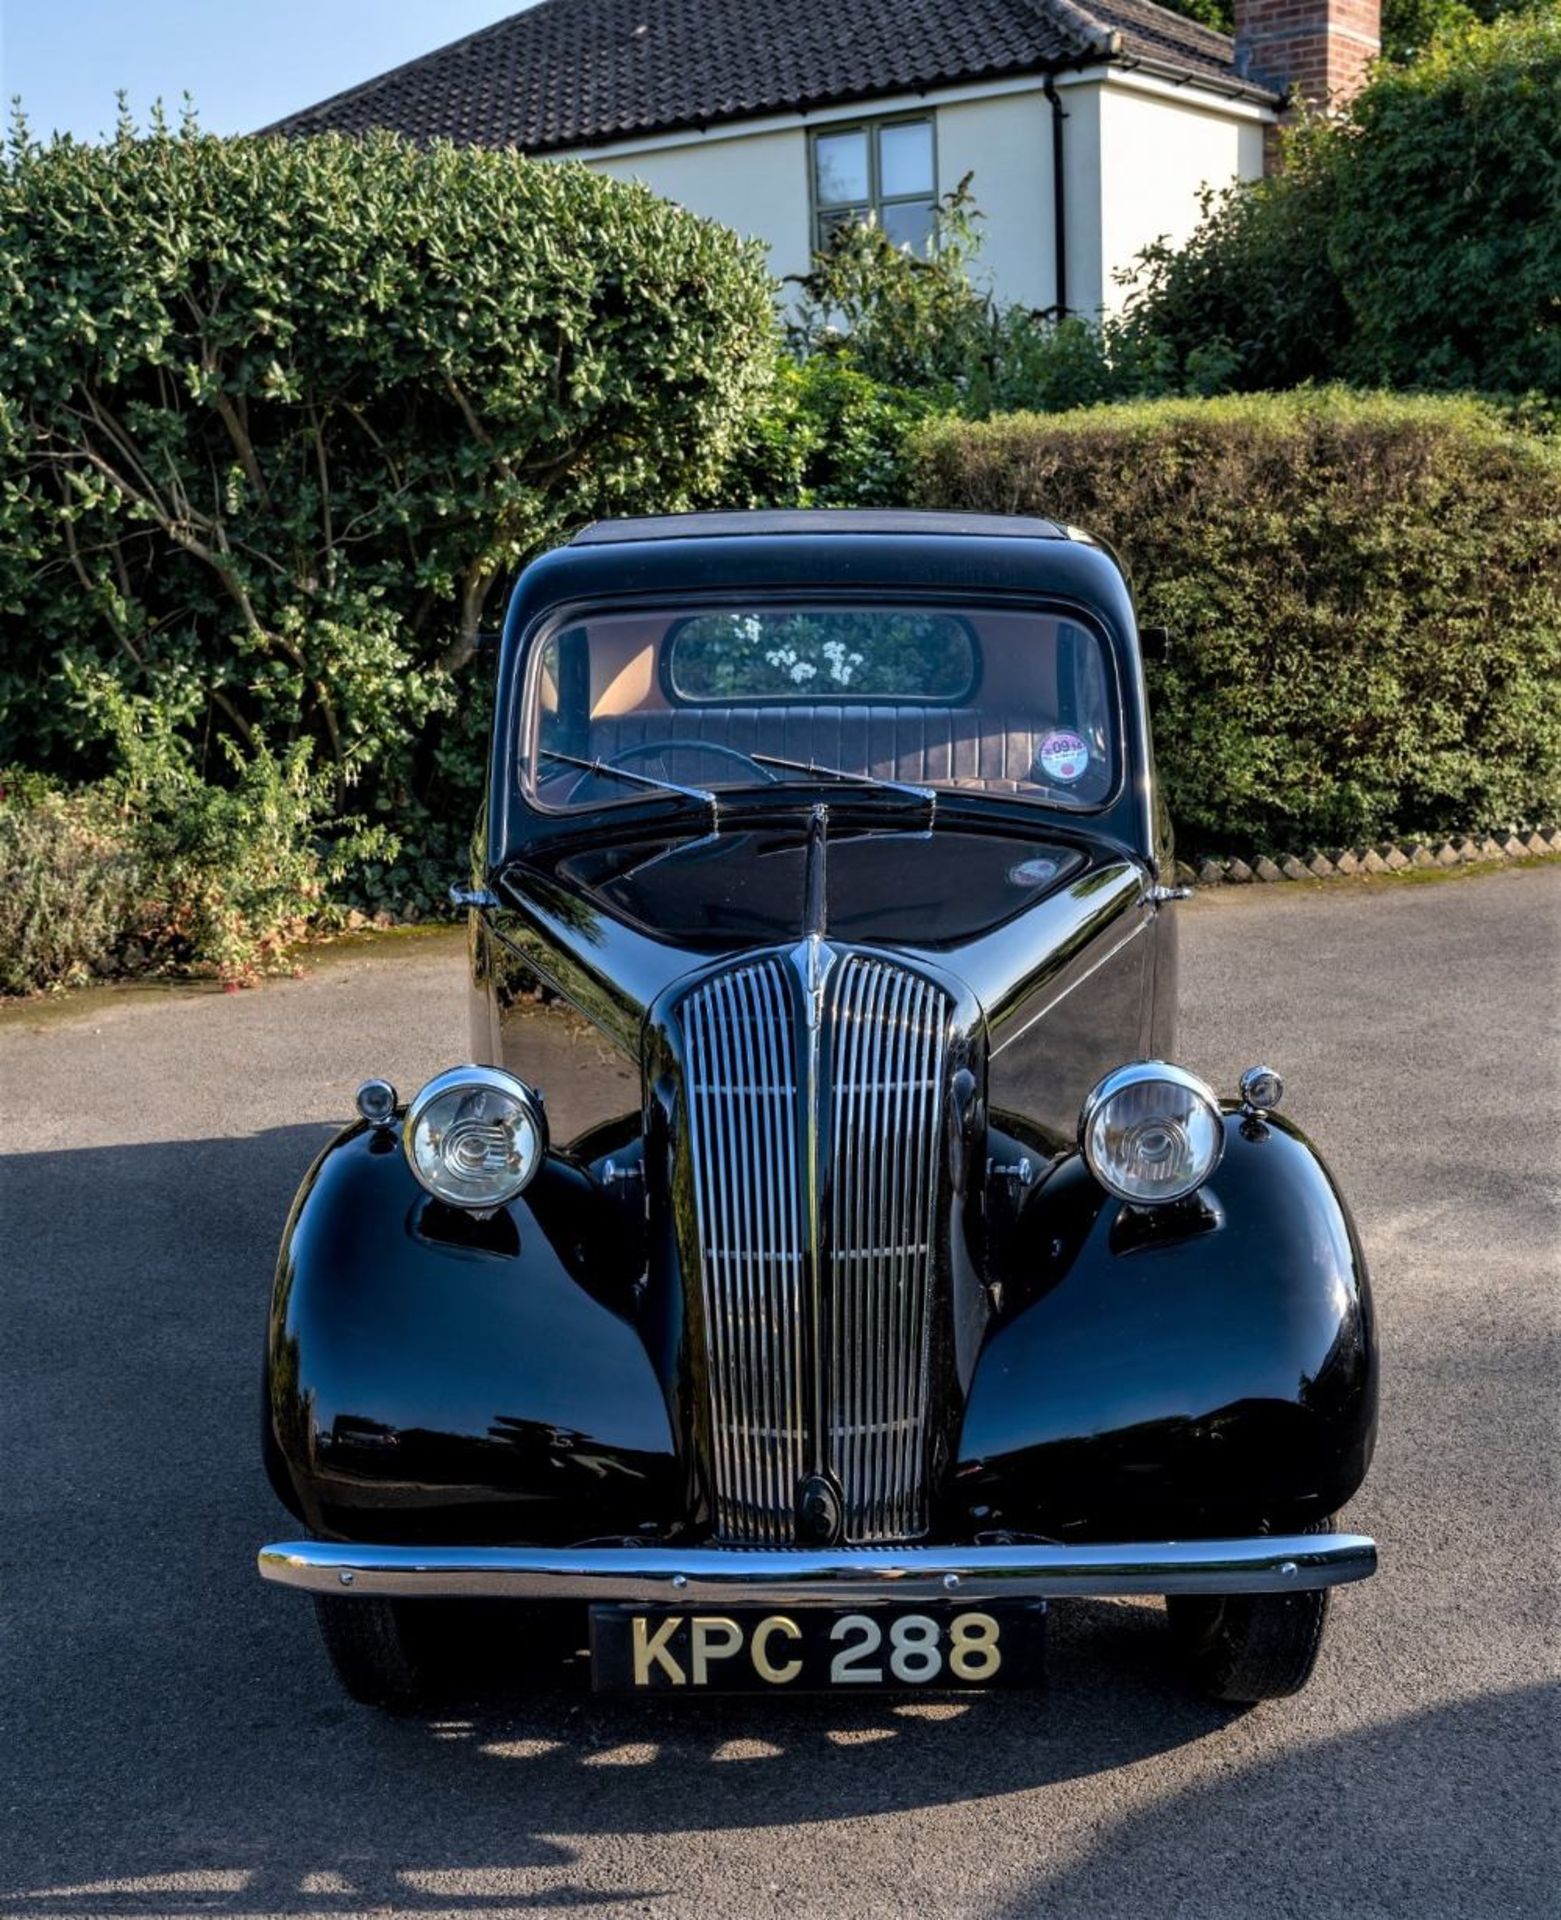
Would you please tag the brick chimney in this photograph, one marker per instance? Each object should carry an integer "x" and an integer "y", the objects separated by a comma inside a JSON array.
[{"x": 1318, "y": 49}]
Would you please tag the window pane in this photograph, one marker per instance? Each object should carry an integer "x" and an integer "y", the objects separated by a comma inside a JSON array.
[
  {"x": 905, "y": 158},
  {"x": 782, "y": 655},
  {"x": 909, "y": 225},
  {"x": 837, "y": 217},
  {"x": 840, "y": 167},
  {"x": 1021, "y": 699}
]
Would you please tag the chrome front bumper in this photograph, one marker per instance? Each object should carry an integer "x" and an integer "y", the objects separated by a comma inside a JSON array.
[{"x": 788, "y": 1576}]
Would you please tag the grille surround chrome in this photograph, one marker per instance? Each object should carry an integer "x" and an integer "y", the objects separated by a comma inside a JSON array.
[{"x": 822, "y": 1080}]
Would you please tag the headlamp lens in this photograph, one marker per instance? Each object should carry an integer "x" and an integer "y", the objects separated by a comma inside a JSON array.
[
  {"x": 475, "y": 1137},
  {"x": 1151, "y": 1133}
]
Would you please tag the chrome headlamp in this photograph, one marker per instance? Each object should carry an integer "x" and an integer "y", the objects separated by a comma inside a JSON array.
[
  {"x": 475, "y": 1136},
  {"x": 1151, "y": 1133}
]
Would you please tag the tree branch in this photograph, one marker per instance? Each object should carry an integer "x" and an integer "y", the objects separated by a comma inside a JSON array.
[
  {"x": 318, "y": 435},
  {"x": 474, "y": 592},
  {"x": 243, "y": 446},
  {"x": 240, "y": 725}
]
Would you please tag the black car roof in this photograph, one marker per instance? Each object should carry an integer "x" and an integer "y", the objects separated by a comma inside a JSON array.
[{"x": 818, "y": 520}]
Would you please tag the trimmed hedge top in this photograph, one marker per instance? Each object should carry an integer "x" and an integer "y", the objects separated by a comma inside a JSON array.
[{"x": 1364, "y": 593}]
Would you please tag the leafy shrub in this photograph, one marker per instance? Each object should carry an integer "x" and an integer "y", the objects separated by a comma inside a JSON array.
[
  {"x": 909, "y": 319},
  {"x": 1448, "y": 235},
  {"x": 157, "y": 869},
  {"x": 1416, "y": 243},
  {"x": 831, "y": 436},
  {"x": 1254, "y": 282},
  {"x": 231, "y": 875},
  {"x": 1364, "y": 593},
  {"x": 277, "y": 419},
  {"x": 918, "y": 328},
  {"x": 69, "y": 884}
]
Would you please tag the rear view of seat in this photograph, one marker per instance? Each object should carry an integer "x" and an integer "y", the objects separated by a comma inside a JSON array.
[{"x": 907, "y": 742}]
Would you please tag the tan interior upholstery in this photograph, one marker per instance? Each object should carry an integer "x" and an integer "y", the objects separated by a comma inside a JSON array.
[{"x": 961, "y": 744}]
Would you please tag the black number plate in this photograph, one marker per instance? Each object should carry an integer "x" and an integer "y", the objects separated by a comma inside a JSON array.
[{"x": 865, "y": 1649}]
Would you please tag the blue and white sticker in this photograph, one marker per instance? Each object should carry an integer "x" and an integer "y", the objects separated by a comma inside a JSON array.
[
  {"x": 1063, "y": 757},
  {"x": 1033, "y": 873}
]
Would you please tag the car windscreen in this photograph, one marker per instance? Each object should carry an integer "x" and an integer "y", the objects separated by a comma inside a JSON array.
[{"x": 1008, "y": 701}]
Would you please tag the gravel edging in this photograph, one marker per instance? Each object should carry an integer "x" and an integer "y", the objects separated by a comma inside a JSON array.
[{"x": 1383, "y": 857}]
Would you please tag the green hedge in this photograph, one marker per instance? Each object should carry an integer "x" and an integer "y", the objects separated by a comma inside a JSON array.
[
  {"x": 278, "y": 420},
  {"x": 1364, "y": 593}
]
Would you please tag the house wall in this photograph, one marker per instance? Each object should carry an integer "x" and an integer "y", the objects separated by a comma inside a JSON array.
[
  {"x": 1156, "y": 154},
  {"x": 1134, "y": 160},
  {"x": 754, "y": 183},
  {"x": 1005, "y": 143}
]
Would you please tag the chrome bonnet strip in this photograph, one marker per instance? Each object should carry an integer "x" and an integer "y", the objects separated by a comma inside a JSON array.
[{"x": 694, "y": 1576}]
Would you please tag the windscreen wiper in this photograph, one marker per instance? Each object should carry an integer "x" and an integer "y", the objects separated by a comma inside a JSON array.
[
  {"x": 929, "y": 794},
  {"x": 610, "y": 772}
]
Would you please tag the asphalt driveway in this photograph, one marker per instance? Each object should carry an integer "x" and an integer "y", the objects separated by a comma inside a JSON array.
[{"x": 170, "y": 1738}]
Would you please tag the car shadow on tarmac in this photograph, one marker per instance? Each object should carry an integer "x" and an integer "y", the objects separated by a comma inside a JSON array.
[{"x": 178, "y": 1744}]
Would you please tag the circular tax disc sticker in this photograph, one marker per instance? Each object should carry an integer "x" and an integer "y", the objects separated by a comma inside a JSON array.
[
  {"x": 1063, "y": 756},
  {"x": 1032, "y": 873}
]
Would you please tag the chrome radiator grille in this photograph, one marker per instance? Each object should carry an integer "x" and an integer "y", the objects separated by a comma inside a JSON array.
[
  {"x": 742, "y": 1104},
  {"x": 890, "y": 1030},
  {"x": 883, "y": 1040}
]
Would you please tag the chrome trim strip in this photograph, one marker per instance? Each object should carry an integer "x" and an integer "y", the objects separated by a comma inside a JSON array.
[{"x": 693, "y": 1576}]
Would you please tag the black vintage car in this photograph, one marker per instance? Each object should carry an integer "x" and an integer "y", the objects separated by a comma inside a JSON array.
[{"x": 870, "y": 1276}]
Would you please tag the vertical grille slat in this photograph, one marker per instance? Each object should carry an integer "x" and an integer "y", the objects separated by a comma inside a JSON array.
[
  {"x": 889, "y": 1048},
  {"x": 741, "y": 1103},
  {"x": 884, "y": 1044}
]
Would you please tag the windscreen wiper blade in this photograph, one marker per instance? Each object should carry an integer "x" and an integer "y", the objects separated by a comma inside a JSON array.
[
  {"x": 929, "y": 794},
  {"x": 610, "y": 772}
]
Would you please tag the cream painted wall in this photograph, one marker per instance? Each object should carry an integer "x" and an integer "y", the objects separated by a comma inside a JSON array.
[
  {"x": 1133, "y": 165},
  {"x": 1156, "y": 155},
  {"x": 1006, "y": 144},
  {"x": 755, "y": 183},
  {"x": 1081, "y": 180}
]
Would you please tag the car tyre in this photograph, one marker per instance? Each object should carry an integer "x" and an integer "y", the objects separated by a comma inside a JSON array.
[
  {"x": 1245, "y": 1647},
  {"x": 382, "y": 1650}
]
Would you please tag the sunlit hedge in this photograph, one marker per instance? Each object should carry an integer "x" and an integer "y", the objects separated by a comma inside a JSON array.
[
  {"x": 279, "y": 419},
  {"x": 1364, "y": 593}
]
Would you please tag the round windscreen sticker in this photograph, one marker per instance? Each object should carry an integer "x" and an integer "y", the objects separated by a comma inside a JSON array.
[
  {"x": 1033, "y": 873},
  {"x": 1063, "y": 757}
]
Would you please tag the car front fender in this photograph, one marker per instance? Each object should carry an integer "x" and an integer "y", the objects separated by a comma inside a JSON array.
[
  {"x": 433, "y": 1376},
  {"x": 1208, "y": 1368}
]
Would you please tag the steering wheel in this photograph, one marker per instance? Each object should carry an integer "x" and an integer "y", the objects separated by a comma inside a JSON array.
[{"x": 664, "y": 749}]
